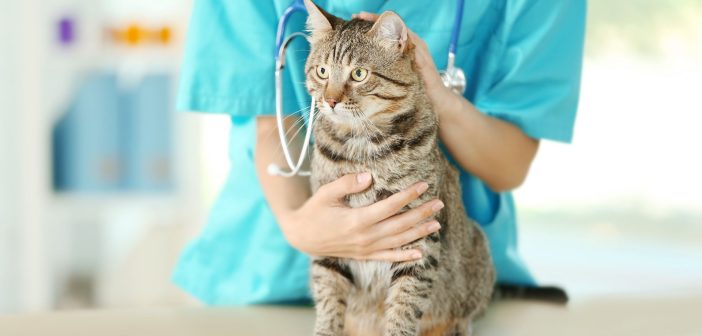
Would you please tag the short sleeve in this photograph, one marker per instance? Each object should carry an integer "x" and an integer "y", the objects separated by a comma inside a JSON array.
[
  {"x": 228, "y": 62},
  {"x": 534, "y": 73}
]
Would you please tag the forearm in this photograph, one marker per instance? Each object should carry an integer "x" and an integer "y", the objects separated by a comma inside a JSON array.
[
  {"x": 284, "y": 194},
  {"x": 495, "y": 151}
]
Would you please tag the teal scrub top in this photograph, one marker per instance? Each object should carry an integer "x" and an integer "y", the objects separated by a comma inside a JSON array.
[{"x": 522, "y": 59}]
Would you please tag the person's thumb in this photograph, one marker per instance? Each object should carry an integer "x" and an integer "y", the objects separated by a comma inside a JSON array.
[
  {"x": 345, "y": 185},
  {"x": 366, "y": 16}
]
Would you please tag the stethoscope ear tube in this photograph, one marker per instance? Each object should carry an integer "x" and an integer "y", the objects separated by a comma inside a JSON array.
[{"x": 274, "y": 169}]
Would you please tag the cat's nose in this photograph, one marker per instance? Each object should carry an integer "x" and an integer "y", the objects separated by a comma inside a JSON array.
[{"x": 331, "y": 102}]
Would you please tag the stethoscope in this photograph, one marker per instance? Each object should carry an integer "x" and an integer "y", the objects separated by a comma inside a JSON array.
[{"x": 453, "y": 77}]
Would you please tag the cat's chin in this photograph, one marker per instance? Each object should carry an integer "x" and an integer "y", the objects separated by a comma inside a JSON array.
[{"x": 340, "y": 117}]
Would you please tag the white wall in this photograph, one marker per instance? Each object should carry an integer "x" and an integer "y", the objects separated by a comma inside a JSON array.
[
  {"x": 24, "y": 172},
  {"x": 38, "y": 228},
  {"x": 8, "y": 173},
  {"x": 23, "y": 284},
  {"x": 637, "y": 136}
]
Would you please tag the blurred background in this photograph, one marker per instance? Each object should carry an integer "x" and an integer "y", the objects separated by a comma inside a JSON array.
[{"x": 102, "y": 182}]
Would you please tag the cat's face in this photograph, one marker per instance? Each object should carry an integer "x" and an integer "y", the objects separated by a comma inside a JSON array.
[{"x": 358, "y": 69}]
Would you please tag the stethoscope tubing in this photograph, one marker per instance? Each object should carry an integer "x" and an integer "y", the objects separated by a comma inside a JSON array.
[
  {"x": 456, "y": 30},
  {"x": 295, "y": 168},
  {"x": 295, "y": 6}
]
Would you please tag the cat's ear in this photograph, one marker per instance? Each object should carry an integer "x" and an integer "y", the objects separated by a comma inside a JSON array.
[
  {"x": 390, "y": 29},
  {"x": 318, "y": 20}
]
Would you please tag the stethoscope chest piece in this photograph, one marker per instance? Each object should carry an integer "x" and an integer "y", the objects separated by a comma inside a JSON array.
[{"x": 454, "y": 79}]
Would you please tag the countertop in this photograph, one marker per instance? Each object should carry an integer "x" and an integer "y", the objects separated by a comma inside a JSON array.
[{"x": 678, "y": 316}]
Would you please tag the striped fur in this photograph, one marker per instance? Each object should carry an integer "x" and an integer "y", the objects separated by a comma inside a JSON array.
[{"x": 386, "y": 125}]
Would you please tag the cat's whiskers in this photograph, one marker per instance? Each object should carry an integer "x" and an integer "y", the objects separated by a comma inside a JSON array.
[
  {"x": 294, "y": 137},
  {"x": 354, "y": 135},
  {"x": 362, "y": 129},
  {"x": 297, "y": 125},
  {"x": 300, "y": 128},
  {"x": 274, "y": 131},
  {"x": 366, "y": 139},
  {"x": 366, "y": 150},
  {"x": 301, "y": 117},
  {"x": 317, "y": 116},
  {"x": 370, "y": 149}
]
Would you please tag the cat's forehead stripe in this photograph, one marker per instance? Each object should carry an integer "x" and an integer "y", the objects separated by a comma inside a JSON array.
[
  {"x": 336, "y": 49},
  {"x": 343, "y": 52}
]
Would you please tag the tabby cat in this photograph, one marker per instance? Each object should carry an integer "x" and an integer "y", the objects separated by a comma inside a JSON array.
[{"x": 374, "y": 116}]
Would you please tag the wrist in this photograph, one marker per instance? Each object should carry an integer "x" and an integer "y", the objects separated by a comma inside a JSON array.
[
  {"x": 287, "y": 221},
  {"x": 287, "y": 217},
  {"x": 434, "y": 85},
  {"x": 444, "y": 101}
]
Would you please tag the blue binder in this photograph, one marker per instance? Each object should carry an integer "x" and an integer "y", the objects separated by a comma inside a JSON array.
[
  {"x": 111, "y": 140},
  {"x": 87, "y": 149},
  {"x": 149, "y": 135}
]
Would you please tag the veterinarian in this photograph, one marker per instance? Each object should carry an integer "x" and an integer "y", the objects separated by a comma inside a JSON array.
[{"x": 522, "y": 59}]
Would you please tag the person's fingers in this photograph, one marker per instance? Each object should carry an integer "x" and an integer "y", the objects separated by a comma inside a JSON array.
[
  {"x": 425, "y": 63},
  {"x": 347, "y": 184},
  {"x": 403, "y": 222},
  {"x": 422, "y": 58},
  {"x": 393, "y": 255},
  {"x": 390, "y": 206},
  {"x": 416, "y": 39},
  {"x": 406, "y": 237},
  {"x": 365, "y": 16},
  {"x": 421, "y": 51}
]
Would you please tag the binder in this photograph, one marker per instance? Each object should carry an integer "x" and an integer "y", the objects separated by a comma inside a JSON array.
[
  {"x": 116, "y": 139},
  {"x": 87, "y": 149},
  {"x": 148, "y": 134}
]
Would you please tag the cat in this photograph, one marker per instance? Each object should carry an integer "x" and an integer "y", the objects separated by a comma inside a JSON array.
[{"x": 375, "y": 116}]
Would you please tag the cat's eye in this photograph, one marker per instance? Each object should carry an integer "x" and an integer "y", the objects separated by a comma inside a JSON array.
[
  {"x": 322, "y": 72},
  {"x": 359, "y": 74}
]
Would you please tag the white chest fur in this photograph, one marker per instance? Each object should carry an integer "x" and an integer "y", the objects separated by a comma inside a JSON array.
[
  {"x": 372, "y": 277},
  {"x": 366, "y": 302}
]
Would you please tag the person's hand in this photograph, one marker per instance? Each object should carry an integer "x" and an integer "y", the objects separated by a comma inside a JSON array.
[
  {"x": 325, "y": 226},
  {"x": 435, "y": 89}
]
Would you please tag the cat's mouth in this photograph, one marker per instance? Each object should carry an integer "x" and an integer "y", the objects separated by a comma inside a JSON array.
[
  {"x": 340, "y": 112},
  {"x": 343, "y": 117},
  {"x": 345, "y": 114}
]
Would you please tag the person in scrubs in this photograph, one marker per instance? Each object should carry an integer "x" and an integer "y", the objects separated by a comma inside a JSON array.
[{"x": 523, "y": 61}]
